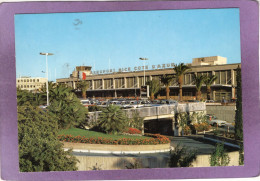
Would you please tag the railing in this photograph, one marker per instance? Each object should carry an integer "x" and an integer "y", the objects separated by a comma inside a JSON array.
[{"x": 157, "y": 110}]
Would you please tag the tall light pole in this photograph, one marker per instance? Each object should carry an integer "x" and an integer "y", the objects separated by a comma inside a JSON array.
[
  {"x": 144, "y": 66},
  {"x": 47, "y": 86}
]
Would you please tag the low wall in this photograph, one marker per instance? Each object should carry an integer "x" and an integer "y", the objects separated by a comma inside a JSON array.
[
  {"x": 118, "y": 163},
  {"x": 115, "y": 163},
  {"x": 204, "y": 160},
  {"x": 226, "y": 113},
  {"x": 111, "y": 148}
]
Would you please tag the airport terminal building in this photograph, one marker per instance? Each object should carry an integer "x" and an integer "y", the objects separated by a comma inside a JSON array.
[{"x": 126, "y": 82}]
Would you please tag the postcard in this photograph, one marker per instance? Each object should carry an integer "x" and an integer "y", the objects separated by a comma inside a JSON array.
[{"x": 129, "y": 90}]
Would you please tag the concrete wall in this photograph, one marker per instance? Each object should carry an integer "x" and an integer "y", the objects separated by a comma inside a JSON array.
[
  {"x": 104, "y": 147},
  {"x": 115, "y": 163},
  {"x": 226, "y": 113},
  {"x": 203, "y": 160}
]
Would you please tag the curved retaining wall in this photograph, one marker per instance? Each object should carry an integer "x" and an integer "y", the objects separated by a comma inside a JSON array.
[{"x": 131, "y": 149}]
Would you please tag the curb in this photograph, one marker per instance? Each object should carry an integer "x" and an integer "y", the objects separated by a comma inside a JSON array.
[{"x": 120, "y": 152}]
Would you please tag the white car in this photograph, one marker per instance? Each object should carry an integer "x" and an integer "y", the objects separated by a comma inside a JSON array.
[{"x": 214, "y": 121}]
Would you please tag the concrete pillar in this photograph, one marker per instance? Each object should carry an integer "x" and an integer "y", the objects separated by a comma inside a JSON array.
[
  {"x": 114, "y": 83},
  {"x": 103, "y": 83},
  {"x": 137, "y": 82},
  {"x": 213, "y": 73},
  {"x": 93, "y": 85},
  {"x": 213, "y": 94},
  {"x": 125, "y": 85},
  {"x": 150, "y": 77}
]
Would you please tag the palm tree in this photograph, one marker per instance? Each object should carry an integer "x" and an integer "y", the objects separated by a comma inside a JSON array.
[
  {"x": 112, "y": 120},
  {"x": 166, "y": 81},
  {"x": 180, "y": 70},
  {"x": 199, "y": 80},
  {"x": 83, "y": 86},
  {"x": 23, "y": 96},
  {"x": 60, "y": 92},
  {"x": 154, "y": 87},
  {"x": 209, "y": 81}
]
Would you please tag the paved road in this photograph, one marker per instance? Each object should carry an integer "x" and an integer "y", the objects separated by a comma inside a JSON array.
[
  {"x": 229, "y": 127},
  {"x": 202, "y": 148}
]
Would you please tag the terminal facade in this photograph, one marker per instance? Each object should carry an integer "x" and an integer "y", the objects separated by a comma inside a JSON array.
[{"x": 125, "y": 83}]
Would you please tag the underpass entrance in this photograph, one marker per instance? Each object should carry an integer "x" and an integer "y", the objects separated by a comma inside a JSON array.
[{"x": 160, "y": 126}]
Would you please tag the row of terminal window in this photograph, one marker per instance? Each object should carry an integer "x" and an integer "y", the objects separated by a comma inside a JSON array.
[{"x": 28, "y": 80}]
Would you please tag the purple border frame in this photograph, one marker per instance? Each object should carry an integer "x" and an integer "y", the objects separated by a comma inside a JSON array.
[{"x": 250, "y": 78}]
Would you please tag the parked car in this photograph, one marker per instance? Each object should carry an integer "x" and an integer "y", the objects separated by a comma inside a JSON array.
[
  {"x": 209, "y": 101},
  {"x": 214, "y": 121}
]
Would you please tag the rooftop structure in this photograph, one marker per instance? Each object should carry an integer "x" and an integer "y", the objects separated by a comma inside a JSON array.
[{"x": 214, "y": 60}]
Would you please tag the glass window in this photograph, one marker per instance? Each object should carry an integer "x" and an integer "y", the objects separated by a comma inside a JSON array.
[
  {"x": 21, "y": 80},
  {"x": 217, "y": 73},
  {"x": 223, "y": 77},
  {"x": 37, "y": 80},
  {"x": 130, "y": 81},
  {"x": 108, "y": 83}
]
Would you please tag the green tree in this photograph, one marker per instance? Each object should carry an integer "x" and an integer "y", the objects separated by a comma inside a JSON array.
[
  {"x": 238, "y": 116},
  {"x": 59, "y": 92},
  {"x": 39, "y": 148},
  {"x": 166, "y": 81},
  {"x": 67, "y": 108},
  {"x": 199, "y": 80},
  {"x": 180, "y": 70},
  {"x": 219, "y": 157},
  {"x": 154, "y": 87},
  {"x": 112, "y": 120},
  {"x": 136, "y": 121},
  {"x": 24, "y": 96},
  {"x": 83, "y": 86},
  {"x": 69, "y": 112},
  {"x": 182, "y": 157},
  {"x": 209, "y": 80},
  {"x": 39, "y": 99}
]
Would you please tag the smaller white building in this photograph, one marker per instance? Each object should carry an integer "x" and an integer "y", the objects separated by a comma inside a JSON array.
[
  {"x": 30, "y": 83},
  {"x": 214, "y": 60}
]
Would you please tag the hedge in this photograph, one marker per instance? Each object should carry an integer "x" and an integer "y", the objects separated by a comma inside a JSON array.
[{"x": 154, "y": 140}]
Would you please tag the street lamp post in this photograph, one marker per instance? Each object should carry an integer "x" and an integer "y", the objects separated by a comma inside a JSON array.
[
  {"x": 47, "y": 86},
  {"x": 144, "y": 66}
]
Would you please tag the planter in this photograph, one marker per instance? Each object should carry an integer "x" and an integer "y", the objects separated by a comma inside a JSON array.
[{"x": 102, "y": 148}]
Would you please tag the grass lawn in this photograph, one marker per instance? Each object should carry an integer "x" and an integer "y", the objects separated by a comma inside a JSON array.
[{"x": 94, "y": 134}]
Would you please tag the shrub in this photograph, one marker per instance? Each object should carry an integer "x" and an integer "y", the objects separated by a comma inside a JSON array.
[
  {"x": 154, "y": 140},
  {"x": 136, "y": 122},
  {"x": 202, "y": 126},
  {"x": 39, "y": 148},
  {"x": 219, "y": 157},
  {"x": 182, "y": 157},
  {"x": 187, "y": 130},
  {"x": 133, "y": 131}
]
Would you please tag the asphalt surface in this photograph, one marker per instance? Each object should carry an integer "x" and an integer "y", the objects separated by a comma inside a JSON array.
[{"x": 192, "y": 144}]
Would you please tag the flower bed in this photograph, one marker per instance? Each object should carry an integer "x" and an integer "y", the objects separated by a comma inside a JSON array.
[
  {"x": 154, "y": 140},
  {"x": 133, "y": 131}
]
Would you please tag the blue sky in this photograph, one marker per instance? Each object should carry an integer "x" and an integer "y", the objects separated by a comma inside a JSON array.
[{"x": 92, "y": 38}]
